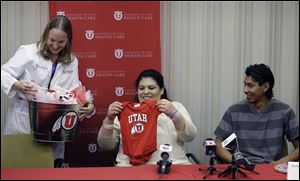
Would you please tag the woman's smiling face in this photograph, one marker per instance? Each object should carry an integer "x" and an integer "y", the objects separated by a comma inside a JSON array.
[{"x": 148, "y": 89}]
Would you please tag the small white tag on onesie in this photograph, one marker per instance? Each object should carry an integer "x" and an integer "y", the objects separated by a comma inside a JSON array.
[{"x": 137, "y": 105}]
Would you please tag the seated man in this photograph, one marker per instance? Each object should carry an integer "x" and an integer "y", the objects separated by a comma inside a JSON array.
[{"x": 260, "y": 122}]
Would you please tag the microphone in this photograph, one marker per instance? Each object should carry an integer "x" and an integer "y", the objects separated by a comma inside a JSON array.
[
  {"x": 238, "y": 160},
  {"x": 237, "y": 156},
  {"x": 210, "y": 146},
  {"x": 164, "y": 163},
  {"x": 210, "y": 149}
]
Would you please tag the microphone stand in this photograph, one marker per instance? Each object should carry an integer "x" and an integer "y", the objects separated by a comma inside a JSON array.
[
  {"x": 211, "y": 168},
  {"x": 234, "y": 168}
]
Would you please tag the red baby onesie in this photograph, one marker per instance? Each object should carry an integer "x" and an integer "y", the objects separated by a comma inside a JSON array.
[{"x": 138, "y": 123}]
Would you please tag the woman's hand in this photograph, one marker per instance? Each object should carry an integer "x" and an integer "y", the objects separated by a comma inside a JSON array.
[
  {"x": 107, "y": 127},
  {"x": 165, "y": 106},
  {"x": 25, "y": 87},
  {"x": 86, "y": 110},
  {"x": 113, "y": 110}
]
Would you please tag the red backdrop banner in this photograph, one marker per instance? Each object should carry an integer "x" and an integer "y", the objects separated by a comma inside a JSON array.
[{"x": 113, "y": 41}]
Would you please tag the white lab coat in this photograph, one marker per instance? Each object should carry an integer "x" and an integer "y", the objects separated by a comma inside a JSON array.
[{"x": 27, "y": 64}]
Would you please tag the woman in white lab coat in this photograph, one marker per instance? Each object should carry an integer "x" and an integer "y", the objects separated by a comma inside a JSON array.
[{"x": 50, "y": 63}]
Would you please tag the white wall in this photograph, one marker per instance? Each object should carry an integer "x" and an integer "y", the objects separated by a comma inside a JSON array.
[{"x": 205, "y": 48}]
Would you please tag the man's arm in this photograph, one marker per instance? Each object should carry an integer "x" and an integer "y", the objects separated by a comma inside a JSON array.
[
  {"x": 294, "y": 156},
  {"x": 221, "y": 152}
]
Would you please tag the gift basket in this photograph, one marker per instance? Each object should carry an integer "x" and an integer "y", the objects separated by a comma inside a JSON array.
[{"x": 54, "y": 114}]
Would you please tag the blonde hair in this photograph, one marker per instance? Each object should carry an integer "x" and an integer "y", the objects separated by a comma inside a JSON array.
[{"x": 64, "y": 24}]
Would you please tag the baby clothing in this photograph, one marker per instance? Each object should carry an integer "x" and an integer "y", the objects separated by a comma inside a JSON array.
[{"x": 139, "y": 130}]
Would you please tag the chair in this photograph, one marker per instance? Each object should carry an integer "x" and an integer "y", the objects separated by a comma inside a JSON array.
[
  {"x": 193, "y": 157},
  {"x": 21, "y": 151},
  {"x": 285, "y": 149}
]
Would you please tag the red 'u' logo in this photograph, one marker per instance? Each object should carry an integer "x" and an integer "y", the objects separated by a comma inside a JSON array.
[
  {"x": 139, "y": 127},
  {"x": 69, "y": 120}
]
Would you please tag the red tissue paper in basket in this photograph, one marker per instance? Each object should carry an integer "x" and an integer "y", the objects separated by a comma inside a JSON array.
[{"x": 81, "y": 94}]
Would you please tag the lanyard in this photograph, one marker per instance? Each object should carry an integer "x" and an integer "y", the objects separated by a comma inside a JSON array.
[{"x": 52, "y": 73}]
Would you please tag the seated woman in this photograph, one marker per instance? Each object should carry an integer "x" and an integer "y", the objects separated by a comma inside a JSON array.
[{"x": 173, "y": 125}]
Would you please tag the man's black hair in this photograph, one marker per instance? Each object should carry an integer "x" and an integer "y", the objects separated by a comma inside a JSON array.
[{"x": 262, "y": 73}]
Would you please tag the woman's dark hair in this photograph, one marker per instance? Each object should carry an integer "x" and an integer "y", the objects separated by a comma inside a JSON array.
[
  {"x": 262, "y": 73},
  {"x": 155, "y": 75},
  {"x": 64, "y": 24}
]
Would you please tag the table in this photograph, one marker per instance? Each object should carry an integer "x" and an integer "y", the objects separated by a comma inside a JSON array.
[{"x": 177, "y": 172}]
